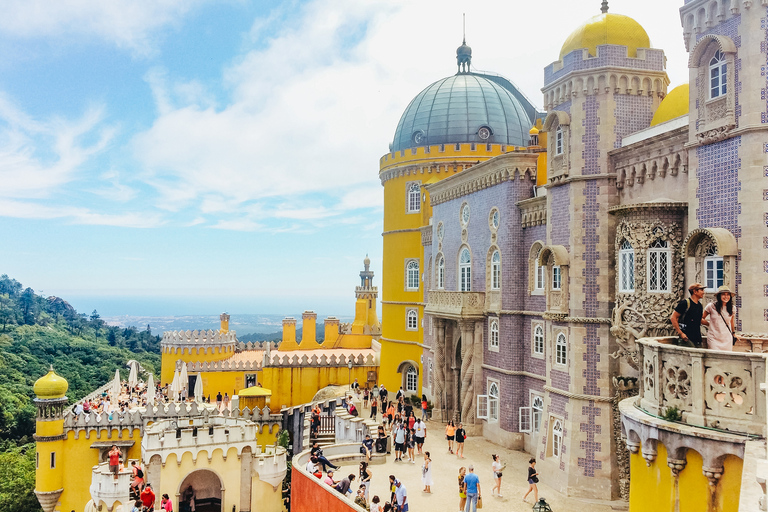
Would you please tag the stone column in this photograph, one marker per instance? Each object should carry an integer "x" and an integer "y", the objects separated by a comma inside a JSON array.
[
  {"x": 246, "y": 480},
  {"x": 440, "y": 366},
  {"x": 468, "y": 413}
]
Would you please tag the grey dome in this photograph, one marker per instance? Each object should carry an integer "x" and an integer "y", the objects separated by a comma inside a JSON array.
[{"x": 454, "y": 110}]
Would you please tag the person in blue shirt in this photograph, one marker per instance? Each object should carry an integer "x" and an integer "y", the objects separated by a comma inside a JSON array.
[{"x": 472, "y": 490}]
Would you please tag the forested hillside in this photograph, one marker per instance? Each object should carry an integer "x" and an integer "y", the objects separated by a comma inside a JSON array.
[{"x": 36, "y": 332}]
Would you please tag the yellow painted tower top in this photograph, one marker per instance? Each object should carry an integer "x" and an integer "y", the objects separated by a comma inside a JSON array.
[
  {"x": 607, "y": 28},
  {"x": 50, "y": 386},
  {"x": 675, "y": 104}
]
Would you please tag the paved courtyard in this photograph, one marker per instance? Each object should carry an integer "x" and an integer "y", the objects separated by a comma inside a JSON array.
[{"x": 477, "y": 451}]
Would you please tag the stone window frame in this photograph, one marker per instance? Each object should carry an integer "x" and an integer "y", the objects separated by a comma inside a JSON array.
[
  {"x": 557, "y": 298},
  {"x": 408, "y": 287},
  {"x": 459, "y": 276},
  {"x": 533, "y": 269},
  {"x": 532, "y": 396},
  {"x": 558, "y": 164},
  {"x": 550, "y": 450},
  {"x": 412, "y": 190},
  {"x": 493, "y": 211},
  {"x": 666, "y": 251},
  {"x": 704, "y": 241},
  {"x": 494, "y": 398},
  {"x": 440, "y": 271},
  {"x": 714, "y": 117},
  {"x": 410, "y": 313},
  {"x": 557, "y": 335},
  {"x": 411, "y": 374},
  {"x": 626, "y": 254},
  {"x": 492, "y": 251},
  {"x": 494, "y": 320},
  {"x": 542, "y": 353}
]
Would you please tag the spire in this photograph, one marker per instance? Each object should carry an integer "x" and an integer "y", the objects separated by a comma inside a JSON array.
[
  {"x": 604, "y": 7},
  {"x": 464, "y": 52}
]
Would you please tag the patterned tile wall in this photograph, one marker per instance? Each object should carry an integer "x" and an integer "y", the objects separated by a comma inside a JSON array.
[
  {"x": 591, "y": 137},
  {"x": 607, "y": 55},
  {"x": 633, "y": 113},
  {"x": 559, "y": 223}
]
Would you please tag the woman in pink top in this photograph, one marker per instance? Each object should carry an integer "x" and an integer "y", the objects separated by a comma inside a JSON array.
[
  {"x": 166, "y": 504},
  {"x": 721, "y": 320}
]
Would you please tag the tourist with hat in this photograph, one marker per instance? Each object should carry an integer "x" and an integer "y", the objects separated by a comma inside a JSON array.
[
  {"x": 721, "y": 320},
  {"x": 686, "y": 318}
]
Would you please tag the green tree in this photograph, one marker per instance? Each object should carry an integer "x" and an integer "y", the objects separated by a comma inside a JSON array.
[{"x": 17, "y": 479}]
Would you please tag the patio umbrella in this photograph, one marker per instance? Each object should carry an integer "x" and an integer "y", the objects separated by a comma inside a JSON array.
[
  {"x": 199, "y": 388},
  {"x": 175, "y": 386},
  {"x": 115, "y": 389},
  {"x": 183, "y": 377},
  {"x": 133, "y": 376},
  {"x": 151, "y": 391}
]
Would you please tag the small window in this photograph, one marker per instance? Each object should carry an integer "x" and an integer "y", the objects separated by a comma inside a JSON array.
[
  {"x": 496, "y": 271},
  {"x": 465, "y": 214},
  {"x": 412, "y": 320},
  {"x": 53, "y": 460},
  {"x": 537, "y": 409},
  {"x": 541, "y": 276},
  {"x": 411, "y": 379},
  {"x": 557, "y": 438},
  {"x": 465, "y": 271},
  {"x": 493, "y": 402},
  {"x": 713, "y": 268},
  {"x": 431, "y": 375},
  {"x": 659, "y": 262},
  {"x": 494, "y": 219},
  {"x": 718, "y": 75},
  {"x": 561, "y": 349},
  {"x": 626, "y": 268},
  {"x": 440, "y": 273},
  {"x": 556, "y": 277},
  {"x": 414, "y": 198},
  {"x": 37, "y": 460},
  {"x": 494, "y": 336},
  {"x": 538, "y": 339},
  {"x": 559, "y": 140},
  {"x": 413, "y": 275}
]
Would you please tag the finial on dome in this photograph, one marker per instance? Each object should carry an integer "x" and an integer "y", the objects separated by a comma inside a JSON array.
[
  {"x": 604, "y": 7},
  {"x": 464, "y": 52}
]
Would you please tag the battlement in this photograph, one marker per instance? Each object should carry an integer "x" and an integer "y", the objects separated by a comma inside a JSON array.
[
  {"x": 188, "y": 339},
  {"x": 290, "y": 360},
  {"x": 608, "y": 55},
  {"x": 444, "y": 151}
]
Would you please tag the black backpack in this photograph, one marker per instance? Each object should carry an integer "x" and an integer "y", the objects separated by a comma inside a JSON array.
[{"x": 139, "y": 473}]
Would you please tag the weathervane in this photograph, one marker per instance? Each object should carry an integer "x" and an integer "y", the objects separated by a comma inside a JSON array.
[{"x": 464, "y": 52}]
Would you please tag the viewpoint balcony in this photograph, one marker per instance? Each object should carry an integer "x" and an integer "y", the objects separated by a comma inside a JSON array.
[
  {"x": 456, "y": 305},
  {"x": 106, "y": 491}
]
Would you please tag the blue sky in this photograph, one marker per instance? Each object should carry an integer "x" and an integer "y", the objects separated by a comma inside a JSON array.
[{"x": 191, "y": 157}]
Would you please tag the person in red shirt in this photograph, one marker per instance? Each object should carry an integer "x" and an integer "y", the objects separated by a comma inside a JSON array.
[
  {"x": 148, "y": 498},
  {"x": 114, "y": 460}
]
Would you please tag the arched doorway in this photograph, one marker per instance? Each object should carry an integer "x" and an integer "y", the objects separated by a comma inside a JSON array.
[{"x": 204, "y": 488}]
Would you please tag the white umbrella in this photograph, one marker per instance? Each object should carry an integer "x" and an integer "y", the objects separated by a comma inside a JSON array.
[
  {"x": 183, "y": 377},
  {"x": 116, "y": 385},
  {"x": 133, "y": 376},
  {"x": 199, "y": 388},
  {"x": 151, "y": 391},
  {"x": 175, "y": 387}
]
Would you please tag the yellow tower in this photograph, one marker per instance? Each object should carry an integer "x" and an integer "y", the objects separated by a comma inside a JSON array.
[
  {"x": 49, "y": 435},
  {"x": 451, "y": 125}
]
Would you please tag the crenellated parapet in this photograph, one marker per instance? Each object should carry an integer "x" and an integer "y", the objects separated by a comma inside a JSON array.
[{"x": 186, "y": 341}]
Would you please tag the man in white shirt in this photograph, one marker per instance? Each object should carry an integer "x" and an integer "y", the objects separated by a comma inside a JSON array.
[
  {"x": 401, "y": 496},
  {"x": 421, "y": 434}
]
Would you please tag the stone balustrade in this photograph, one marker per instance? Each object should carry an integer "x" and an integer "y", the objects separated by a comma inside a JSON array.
[
  {"x": 710, "y": 388},
  {"x": 456, "y": 304},
  {"x": 106, "y": 491}
]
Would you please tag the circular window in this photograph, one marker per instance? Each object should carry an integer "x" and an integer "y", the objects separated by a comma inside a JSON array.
[
  {"x": 465, "y": 214},
  {"x": 484, "y": 133},
  {"x": 494, "y": 218},
  {"x": 440, "y": 231},
  {"x": 418, "y": 137}
]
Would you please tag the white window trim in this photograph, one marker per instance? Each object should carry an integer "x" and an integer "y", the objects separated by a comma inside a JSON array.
[
  {"x": 533, "y": 396},
  {"x": 722, "y": 75},
  {"x": 534, "y": 352},
  {"x": 491, "y": 346},
  {"x": 440, "y": 271},
  {"x": 524, "y": 420},
  {"x": 558, "y": 336},
  {"x": 494, "y": 402},
  {"x": 409, "y": 313},
  {"x": 496, "y": 271},
  {"x": 559, "y": 140},
  {"x": 714, "y": 260},
  {"x": 408, "y": 373},
  {"x": 557, "y": 447},
  {"x": 413, "y": 189},
  {"x": 465, "y": 285},
  {"x": 482, "y": 407},
  {"x": 624, "y": 268},
  {"x": 557, "y": 278},
  {"x": 540, "y": 279},
  {"x": 408, "y": 286},
  {"x": 667, "y": 252}
]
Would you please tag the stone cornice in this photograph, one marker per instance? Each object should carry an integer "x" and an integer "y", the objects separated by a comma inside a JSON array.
[
  {"x": 521, "y": 373},
  {"x": 650, "y": 143},
  {"x": 563, "y": 179},
  {"x": 403, "y": 303},
  {"x": 578, "y": 396},
  {"x": 407, "y": 230},
  {"x": 666, "y": 205},
  {"x": 446, "y": 165},
  {"x": 533, "y": 211},
  {"x": 503, "y": 168}
]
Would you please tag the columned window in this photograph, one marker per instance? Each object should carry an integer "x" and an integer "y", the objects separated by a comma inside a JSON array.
[
  {"x": 659, "y": 263},
  {"x": 718, "y": 75},
  {"x": 626, "y": 268},
  {"x": 465, "y": 271},
  {"x": 412, "y": 270},
  {"x": 496, "y": 271},
  {"x": 414, "y": 198}
]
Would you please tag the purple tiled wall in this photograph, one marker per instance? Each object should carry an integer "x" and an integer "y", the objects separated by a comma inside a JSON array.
[
  {"x": 559, "y": 227},
  {"x": 633, "y": 113}
]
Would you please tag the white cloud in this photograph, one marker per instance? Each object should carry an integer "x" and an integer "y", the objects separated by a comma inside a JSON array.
[
  {"x": 126, "y": 24},
  {"x": 77, "y": 215}
]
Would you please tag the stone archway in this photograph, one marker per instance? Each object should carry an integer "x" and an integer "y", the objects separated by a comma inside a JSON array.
[{"x": 205, "y": 488}]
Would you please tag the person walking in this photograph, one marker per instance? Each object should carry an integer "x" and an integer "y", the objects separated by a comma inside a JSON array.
[
  {"x": 533, "y": 479},
  {"x": 461, "y": 435},
  {"x": 399, "y": 442},
  {"x": 421, "y": 434},
  {"x": 374, "y": 407},
  {"x": 462, "y": 492},
  {"x": 450, "y": 435},
  {"x": 497, "y": 467},
  {"x": 719, "y": 317},
  {"x": 426, "y": 473},
  {"x": 365, "y": 478},
  {"x": 686, "y": 318},
  {"x": 148, "y": 498},
  {"x": 410, "y": 443},
  {"x": 472, "y": 490},
  {"x": 401, "y": 497},
  {"x": 366, "y": 396},
  {"x": 424, "y": 407}
]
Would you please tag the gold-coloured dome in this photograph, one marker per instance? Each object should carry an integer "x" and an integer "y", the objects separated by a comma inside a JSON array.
[
  {"x": 50, "y": 386},
  {"x": 607, "y": 28},
  {"x": 533, "y": 131},
  {"x": 675, "y": 104}
]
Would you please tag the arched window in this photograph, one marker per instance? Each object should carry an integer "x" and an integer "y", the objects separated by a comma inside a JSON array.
[
  {"x": 413, "y": 275},
  {"x": 441, "y": 273},
  {"x": 537, "y": 406},
  {"x": 557, "y": 438},
  {"x": 561, "y": 349},
  {"x": 465, "y": 271},
  {"x": 494, "y": 335},
  {"x": 412, "y": 320},
  {"x": 414, "y": 198},
  {"x": 557, "y": 277},
  {"x": 713, "y": 267},
  {"x": 538, "y": 340},
  {"x": 493, "y": 402},
  {"x": 559, "y": 140},
  {"x": 718, "y": 75},
  {"x": 626, "y": 268},
  {"x": 541, "y": 275},
  {"x": 411, "y": 379},
  {"x": 659, "y": 262},
  {"x": 496, "y": 271}
]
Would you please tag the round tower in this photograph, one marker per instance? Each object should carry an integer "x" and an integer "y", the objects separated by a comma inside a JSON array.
[{"x": 50, "y": 402}]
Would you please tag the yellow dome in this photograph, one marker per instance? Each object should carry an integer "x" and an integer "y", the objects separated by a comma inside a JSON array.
[
  {"x": 533, "y": 131},
  {"x": 50, "y": 386},
  {"x": 607, "y": 28},
  {"x": 675, "y": 104}
]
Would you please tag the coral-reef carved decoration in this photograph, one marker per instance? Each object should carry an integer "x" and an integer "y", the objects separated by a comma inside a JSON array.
[
  {"x": 626, "y": 334},
  {"x": 677, "y": 384},
  {"x": 625, "y": 387}
]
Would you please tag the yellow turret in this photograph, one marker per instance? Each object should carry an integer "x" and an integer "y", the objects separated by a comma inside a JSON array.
[
  {"x": 224, "y": 317},
  {"x": 49, "y": 435}
]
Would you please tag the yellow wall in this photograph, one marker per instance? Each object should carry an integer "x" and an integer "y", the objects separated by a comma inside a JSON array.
[
  {"x": 225, "y": 382},
  {"x": 651, "y": 488},
  {"x": 293, "y": 386},
  {"x": 202, "y": 355}
]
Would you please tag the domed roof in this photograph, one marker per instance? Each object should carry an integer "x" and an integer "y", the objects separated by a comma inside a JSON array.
[
  {"x": 607, "y": 28},
  {"x": 675, "y": 104},
  {"x": 466, "y": 107},
  {"x": 50, "y": 386}
]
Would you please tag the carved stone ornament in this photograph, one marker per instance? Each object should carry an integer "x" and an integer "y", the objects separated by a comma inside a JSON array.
[{"x": 715, "y": 135}]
